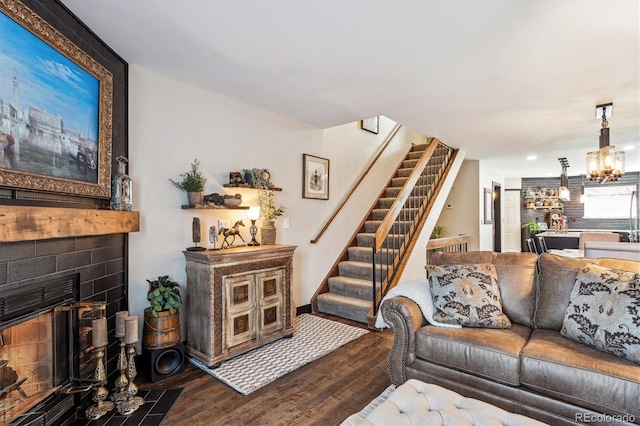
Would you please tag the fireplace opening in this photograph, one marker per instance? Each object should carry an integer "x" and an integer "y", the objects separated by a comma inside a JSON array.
[{"x": 45, "y": 349}]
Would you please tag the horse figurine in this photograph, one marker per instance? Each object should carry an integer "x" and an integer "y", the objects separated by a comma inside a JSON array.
[{"x": 231, "y": 232}]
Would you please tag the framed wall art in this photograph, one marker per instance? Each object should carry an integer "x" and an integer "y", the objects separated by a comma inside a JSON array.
[
  {"x": 315, "y": 177},
  {"x": 370, "y": 124},
  {"x": 488, "y": 206},
  {"x": 56, "y": 109}
]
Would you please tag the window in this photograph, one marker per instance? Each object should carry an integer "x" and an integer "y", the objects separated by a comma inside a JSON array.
[{"x": 607, "y": 202}]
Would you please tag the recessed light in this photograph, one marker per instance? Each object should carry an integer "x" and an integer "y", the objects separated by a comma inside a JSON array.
[{"x": 532, "y": 157}]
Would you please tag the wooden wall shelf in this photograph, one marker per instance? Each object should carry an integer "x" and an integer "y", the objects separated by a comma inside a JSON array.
[
  {"x": 243, "y": 186},
  {"x": 214, "y": 207},
  {"x": 26, "y": 223}
]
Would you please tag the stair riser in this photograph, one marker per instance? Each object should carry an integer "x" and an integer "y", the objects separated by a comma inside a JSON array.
[
  {"x": 423, "y": 180},
  {"x": 379, "y": 214},
  {"x": 345, "y": 311},
  {"x": 386, "y": 203},
  {"x": 366, "y": 240},
  {"x": 361, "y": 273},
  {"x": 358, "y": 255},
  {"x": 372, "y": 227},
  {"x": 344, "y": 288}
]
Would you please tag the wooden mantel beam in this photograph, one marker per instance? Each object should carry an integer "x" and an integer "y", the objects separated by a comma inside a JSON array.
[{"x": 25, "y": 223}]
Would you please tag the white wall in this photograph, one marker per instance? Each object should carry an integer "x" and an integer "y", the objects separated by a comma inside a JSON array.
[
  {"x": 466, "y": 198},
  {"x": 464, "y": 216},
  {"x": 172, "y": 123}
]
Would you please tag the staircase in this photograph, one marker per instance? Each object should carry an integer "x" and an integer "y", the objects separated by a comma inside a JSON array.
[{"x": 348, "y": 289}]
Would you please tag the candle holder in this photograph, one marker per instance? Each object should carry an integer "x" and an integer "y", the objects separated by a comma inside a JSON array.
[
  {"x": 100, "y": 393},
  {"x": 254, "y": 214},
  {"x": 121, "y": 381},
  {"x": 131, "y": 402}
]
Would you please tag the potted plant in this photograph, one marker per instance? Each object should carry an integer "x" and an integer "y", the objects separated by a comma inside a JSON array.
[
  {"x": 162, "y": 318},
  {"x": 268, "y": 214},
  {"x": 438, "y": 232},
  {"x": 533, "y": 227},
  {"x": 193, "y": 183}
]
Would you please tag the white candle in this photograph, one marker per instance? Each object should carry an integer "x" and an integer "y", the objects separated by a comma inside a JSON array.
[
  {"x": 99, "y": 332},
  {"x": 131, "y": 330},
  {"x": 120, "y": 317}
]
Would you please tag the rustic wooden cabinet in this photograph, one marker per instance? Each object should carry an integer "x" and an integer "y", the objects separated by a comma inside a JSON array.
[{"x": 237, "y": 300}]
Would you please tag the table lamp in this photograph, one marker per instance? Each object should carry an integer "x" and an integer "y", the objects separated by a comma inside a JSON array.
[{"x": 254, "y": 214}]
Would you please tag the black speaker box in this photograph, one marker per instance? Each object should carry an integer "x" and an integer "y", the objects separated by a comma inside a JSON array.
[{"x": 163, "y": 363}]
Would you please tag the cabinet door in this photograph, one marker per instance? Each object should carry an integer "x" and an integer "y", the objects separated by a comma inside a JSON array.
[
  {"x": 270, "y": 301},
  {"x": 240, "y": 307}
]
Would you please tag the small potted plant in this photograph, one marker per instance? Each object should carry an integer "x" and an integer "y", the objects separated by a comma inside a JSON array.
[
  {"x": 533, "y": 227},
  {"x": 193, "y": 183},
  {"x": 162, "y": 318},
  {"x": 268, "y": 214}
]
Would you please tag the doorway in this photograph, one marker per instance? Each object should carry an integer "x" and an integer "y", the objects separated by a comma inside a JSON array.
[{"x": 497, "y": 217}]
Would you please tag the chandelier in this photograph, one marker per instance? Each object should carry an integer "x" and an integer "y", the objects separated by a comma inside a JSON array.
[
  {"x": 563, "y": 192},
  {"x": 605, "y": 164}
]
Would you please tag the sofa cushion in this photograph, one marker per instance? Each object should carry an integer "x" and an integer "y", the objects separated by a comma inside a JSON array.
[
  {"x": 516, "y": 277},
  {"x": 467, "y": 295},
  {"x": 557, "y": 277},
  {"x": 556, "y": 366},
  {"x": 487, "y": 352},
  {"x": 604, "y": 311}
]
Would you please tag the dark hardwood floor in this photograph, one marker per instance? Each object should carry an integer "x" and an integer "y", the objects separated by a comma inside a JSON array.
[{"x": 323, "y": 392}]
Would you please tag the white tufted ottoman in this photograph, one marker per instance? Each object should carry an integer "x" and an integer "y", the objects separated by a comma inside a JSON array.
[{"x": 417, "y": 403}]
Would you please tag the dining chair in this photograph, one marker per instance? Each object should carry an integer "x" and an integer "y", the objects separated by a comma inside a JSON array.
[
  {"x": 531, "y": 246},
  {"x": 542, "y": 245}
]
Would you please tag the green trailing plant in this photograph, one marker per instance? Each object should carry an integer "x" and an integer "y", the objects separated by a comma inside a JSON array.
[
  {"x": 439, "y": 231},
  {"x": 533, "y": 226},
  {"x": 193, "y": 180},
  {"x": 164, "y": 295},
  {"x": 268, "y": 210}
]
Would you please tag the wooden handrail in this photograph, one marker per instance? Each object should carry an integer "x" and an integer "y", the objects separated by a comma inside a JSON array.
[
  {"x": 437, "y": 243},
  {"x": 405, "y": 192},
  {"x": 349, "y": 193}
]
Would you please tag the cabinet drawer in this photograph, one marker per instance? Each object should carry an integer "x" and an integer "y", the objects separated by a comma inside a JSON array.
[
  {"x": 270, "y": 318},
  {"x": 239, "y": 293},
  {"x": 240, "y": 328},
  {"x": 269, "y": 286}
]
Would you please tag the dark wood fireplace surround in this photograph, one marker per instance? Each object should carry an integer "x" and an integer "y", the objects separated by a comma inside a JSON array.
[{"x": 44, "y": 235}]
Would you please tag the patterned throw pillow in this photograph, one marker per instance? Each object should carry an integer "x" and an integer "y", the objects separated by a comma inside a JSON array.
[
  {"x": 604, "y": 311},
  {"x": 467, "y": 295}
]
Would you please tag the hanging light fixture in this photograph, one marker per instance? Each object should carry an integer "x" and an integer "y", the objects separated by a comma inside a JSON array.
[
  {"x": 605, "y": 164},
  {"x": 563, "y": 191}
]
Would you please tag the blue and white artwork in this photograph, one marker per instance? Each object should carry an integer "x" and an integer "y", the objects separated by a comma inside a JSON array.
[{"x": 49, "y": 109}]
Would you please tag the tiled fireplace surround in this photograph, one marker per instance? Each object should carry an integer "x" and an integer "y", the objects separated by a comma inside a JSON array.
[{"x": 98, "y": 260}]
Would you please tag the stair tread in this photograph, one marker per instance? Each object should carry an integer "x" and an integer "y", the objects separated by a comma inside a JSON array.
[
  {"x": 346, "y": 300},
  {"x": 351, "y": 280}
]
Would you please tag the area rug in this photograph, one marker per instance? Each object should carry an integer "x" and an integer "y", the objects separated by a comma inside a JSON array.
[{"x": 313, "y": 338}]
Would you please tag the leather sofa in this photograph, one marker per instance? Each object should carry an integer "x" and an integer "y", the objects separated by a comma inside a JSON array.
[{"x": 530, "y": 368}]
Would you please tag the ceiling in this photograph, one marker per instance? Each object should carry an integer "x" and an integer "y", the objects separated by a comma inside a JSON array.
[{"x": 499, "y": 79}]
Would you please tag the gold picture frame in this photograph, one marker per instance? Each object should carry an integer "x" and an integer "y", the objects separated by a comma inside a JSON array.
[
  {"x": 60, "y": 142},
  {"x": 315, "y": 177}
]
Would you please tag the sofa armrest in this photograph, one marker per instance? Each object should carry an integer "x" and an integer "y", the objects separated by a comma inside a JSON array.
[{"x": 405, "y": 318}]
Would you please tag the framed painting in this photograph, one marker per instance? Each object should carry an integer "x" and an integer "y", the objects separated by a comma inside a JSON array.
[
  {"x": 315, "y": 177},
  {"x": 370, "y": 124},
  {"x": 488, "y": 206},
  {"x": 55, "y": 110}
]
